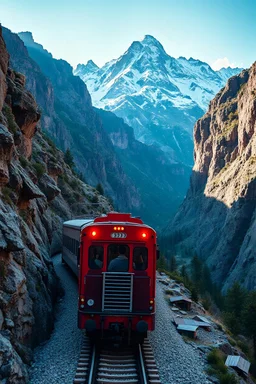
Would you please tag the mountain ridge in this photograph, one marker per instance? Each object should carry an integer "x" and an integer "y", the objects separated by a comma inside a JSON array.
[
  {"x": 217, "y": 218},
  {"x": 154, "y": 92}
]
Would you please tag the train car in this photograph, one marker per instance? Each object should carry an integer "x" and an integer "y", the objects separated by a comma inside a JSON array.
[{"x": 114, "y": 257}]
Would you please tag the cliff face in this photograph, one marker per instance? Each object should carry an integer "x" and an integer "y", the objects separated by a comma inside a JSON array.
[
  {"x": 161, "y": 183},
  {"x": 68, "y": 116},
  {"x": 218, "y": 216},
  {"x": 37, "y": 191}
]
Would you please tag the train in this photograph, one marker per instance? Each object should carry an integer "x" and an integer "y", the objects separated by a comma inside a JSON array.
[{"x": 114, "y": 257}]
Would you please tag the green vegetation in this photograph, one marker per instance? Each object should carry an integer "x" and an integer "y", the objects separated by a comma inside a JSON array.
[
  {"x": 12, "y": 126},
  {"x": 6, "y": 194},
  {"x": 173, "y": 264},
  {"x": 24, "y": 162},
  {"x": 216, "y": 360},
  {"x": 100, "y": 189},
  {"x": 40, "y": 169},
  {"x": 69, "y": 159}
]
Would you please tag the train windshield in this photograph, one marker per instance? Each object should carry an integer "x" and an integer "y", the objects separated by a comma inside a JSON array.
[
  {"x": 140, "y": 258},
  {"x": 95, "y": 259},
  {"x": 118, "y": 258}
]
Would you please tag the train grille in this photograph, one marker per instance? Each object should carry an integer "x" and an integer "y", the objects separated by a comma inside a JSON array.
[{"x": 117, "y": 292}]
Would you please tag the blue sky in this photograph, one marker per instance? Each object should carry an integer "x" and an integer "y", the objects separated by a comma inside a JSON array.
[{"x": 216, "y": 31}]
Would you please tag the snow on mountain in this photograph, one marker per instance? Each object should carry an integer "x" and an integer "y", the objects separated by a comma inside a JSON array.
[{"x": 159, "y": 96}]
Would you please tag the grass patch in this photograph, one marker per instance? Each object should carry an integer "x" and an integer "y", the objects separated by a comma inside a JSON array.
[
  {"x": 232, "y": 341},
  {"x": 216, "y": 360}
]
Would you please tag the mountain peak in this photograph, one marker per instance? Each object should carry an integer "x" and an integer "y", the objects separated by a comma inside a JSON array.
[
  {"x": 29, "y": 41},
  {"x": 151, "y": 40},
  {"x": 91, "y": 64},
  {"x": 27, "y": 37}
]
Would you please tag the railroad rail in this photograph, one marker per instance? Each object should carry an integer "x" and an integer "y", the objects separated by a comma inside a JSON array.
[{"x": 104, "y": 364}]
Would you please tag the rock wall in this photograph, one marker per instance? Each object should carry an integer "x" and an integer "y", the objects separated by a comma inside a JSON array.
[
  {"x": 68, "y": 116},
  {"x": 162, "y": 183},
  {"x": 37, "y": 192},
  {"x": 217, "y": 217}
]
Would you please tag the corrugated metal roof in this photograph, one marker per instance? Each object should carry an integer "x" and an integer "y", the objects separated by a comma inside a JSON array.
[
  {"x": 184, "y": 327},
  {"x": 239, "y": 362},
  {"x": 191, "y": 322},
  {"x": 202, "y": 318},
  {"x": 179, "y": 298}
]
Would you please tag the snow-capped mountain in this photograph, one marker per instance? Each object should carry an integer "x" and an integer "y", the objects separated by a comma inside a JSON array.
[{"x": 159, "y": 96}]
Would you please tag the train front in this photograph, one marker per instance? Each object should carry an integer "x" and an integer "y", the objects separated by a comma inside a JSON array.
[{"x": 117, "y": 278}]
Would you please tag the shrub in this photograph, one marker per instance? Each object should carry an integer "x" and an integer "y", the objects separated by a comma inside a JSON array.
[
  {"x": 69, "y": 159},
  {"x": 215, "y": 359},
  {"x": 40, "y": 169},
  {"x": 228, "y": 378},
  {"x": 12, "y": 126},
  {"x": 100, "y": 189},
  {"x": 194, "y": 294},
  {"x": 6, "y": 193},
  {"x": 243, "y": 346},
  {"x": 23, "y": 161}
]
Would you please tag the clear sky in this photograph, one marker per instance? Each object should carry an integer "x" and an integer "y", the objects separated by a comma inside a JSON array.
[{"x": 220, "y": 32}]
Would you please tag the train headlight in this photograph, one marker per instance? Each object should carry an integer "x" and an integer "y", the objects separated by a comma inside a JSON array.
[{"x": 90, "y": 302}]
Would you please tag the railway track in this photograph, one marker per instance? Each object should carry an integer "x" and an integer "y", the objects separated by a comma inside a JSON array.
[{"x": 123, "y": 365}]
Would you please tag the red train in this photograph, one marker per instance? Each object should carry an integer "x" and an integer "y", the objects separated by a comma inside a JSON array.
[{"x": 114, "y": 257}]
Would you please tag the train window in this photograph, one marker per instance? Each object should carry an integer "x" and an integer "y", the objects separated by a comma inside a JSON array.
[
  {"x": 71, "y": 244},
  {"x": 118, "y": 258},
  {"x": 140, "y": 258},
  {"x": 95, "y": 259}
]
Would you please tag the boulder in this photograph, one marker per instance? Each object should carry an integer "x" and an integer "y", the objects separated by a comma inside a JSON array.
[
  {"x": 49, "y": 187},
  {"x": 11, "y": 366}
]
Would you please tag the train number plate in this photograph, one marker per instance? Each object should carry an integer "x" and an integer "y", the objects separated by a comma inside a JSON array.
[{"x": 118, "y": 235}]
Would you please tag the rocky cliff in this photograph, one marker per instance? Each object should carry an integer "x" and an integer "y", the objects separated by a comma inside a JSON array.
[
  {"x": 68, "y": 116},
  {"x": 161, "y": 183},
  {"x": 37, "y": 191},
  {"x": 218, "y": 216}
]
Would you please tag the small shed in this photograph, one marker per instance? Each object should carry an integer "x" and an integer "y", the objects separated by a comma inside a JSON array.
[
  {"x": 182, "y": 302},
  {"x": 187, "y": 330},
  {"x": 188, "y": 321},
  {"x": 238, "y": 363}
]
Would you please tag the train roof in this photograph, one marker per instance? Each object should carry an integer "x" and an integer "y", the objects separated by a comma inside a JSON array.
[
  {"x": 110, "y": 218},
  {"x": 77, "y": 223}
]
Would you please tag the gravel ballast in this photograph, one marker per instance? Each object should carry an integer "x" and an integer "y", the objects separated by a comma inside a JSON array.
[
  {"x": 177, "y": 361},
  {"x": 56, "y": 360}
]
